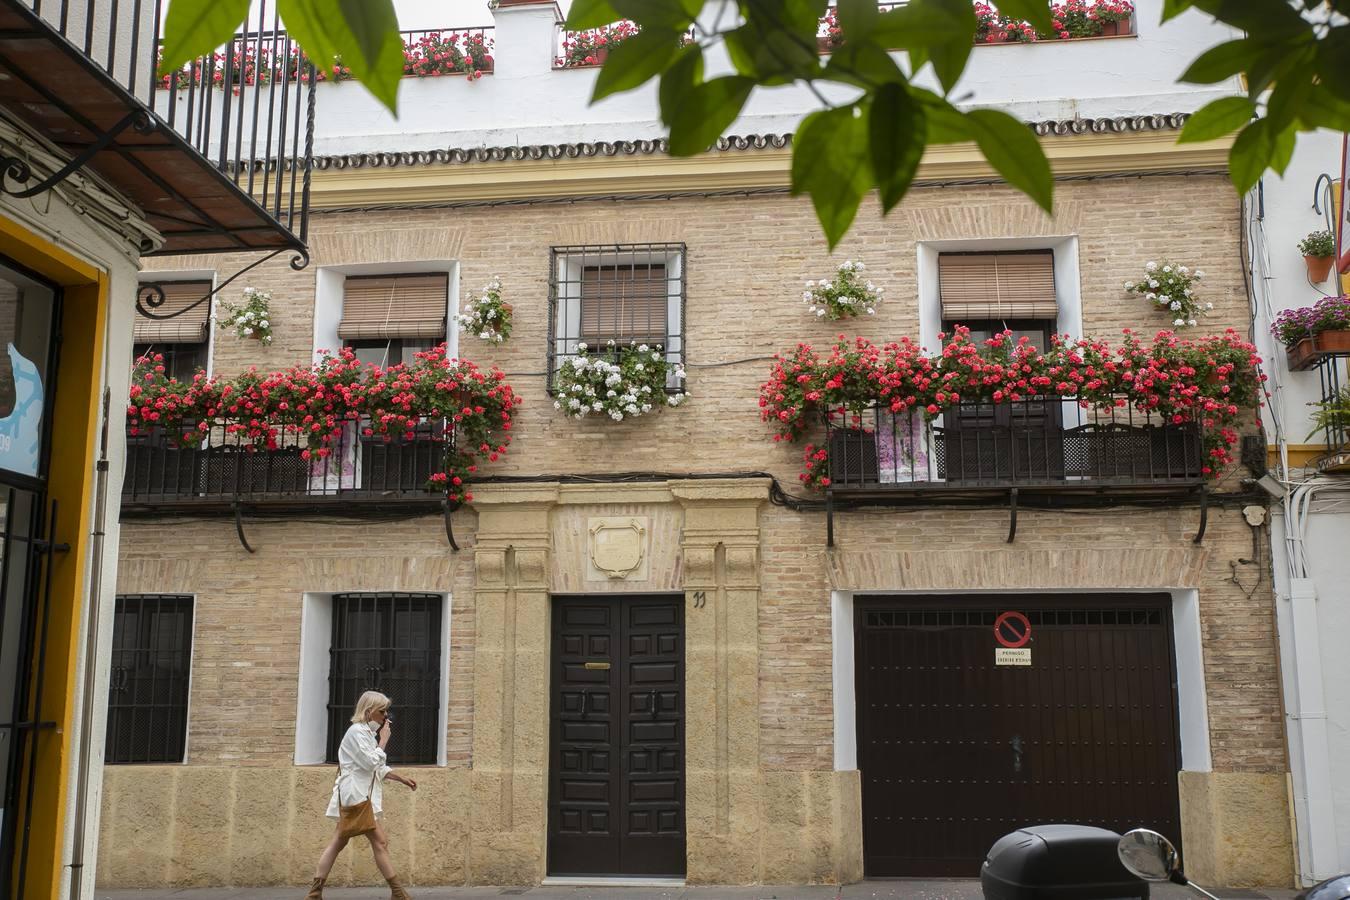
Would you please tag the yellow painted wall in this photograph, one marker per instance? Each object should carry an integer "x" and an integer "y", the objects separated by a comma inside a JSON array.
[{"x": 73, "y": 448}]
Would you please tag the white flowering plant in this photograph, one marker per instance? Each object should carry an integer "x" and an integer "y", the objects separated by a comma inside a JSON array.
[
  {"x": 618, "y": 382},
  {"x": 252, "y": 318},
  {"x": 849, "y": 294},
  {"x": 1173, "y": 288},
  {"x": 489, "y": 316}
]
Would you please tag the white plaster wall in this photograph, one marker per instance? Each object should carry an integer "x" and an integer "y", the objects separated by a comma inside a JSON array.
[
  {"x": 1279, "y": 278},
  {"x": 1326, "y": 540},
  {"x": 527, "y": 101}
]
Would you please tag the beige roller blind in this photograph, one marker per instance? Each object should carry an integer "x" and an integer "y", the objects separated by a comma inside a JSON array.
[
  {"x": 997, "y": 286},
  {"x": 624, "y": 303},
  {"x": 189, "y": 328},
  {"x": 394, "y": 306}
]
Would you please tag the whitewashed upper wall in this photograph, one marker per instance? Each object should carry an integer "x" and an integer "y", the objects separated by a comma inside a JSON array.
[{"x": 527, "y": 101}]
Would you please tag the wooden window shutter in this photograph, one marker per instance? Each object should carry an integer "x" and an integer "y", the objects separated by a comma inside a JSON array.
[
  {"x": 624, "y": 303},
  {"x": 192, "y": 327},
  {"x": 394, "y": 306},
  {"x": 997, "y": 286}
]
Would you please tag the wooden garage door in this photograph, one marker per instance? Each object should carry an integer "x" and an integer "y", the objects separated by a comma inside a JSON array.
[{"x": 956, "y": 751}]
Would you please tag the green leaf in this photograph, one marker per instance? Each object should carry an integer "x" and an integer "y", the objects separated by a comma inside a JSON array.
[
  {"x": 1174, "y": 8},
  {"x": 949, "y": 57},
  {"x": 1282, "y": 148},
  {"x": 586, "y": 14},
  {"x": 772, "y": 56},
  {"x": 945, "y": 123},
  {"x": 1221, "y": 62},
  {"x": 1325, "y": 110},
  {"x": 363, "y": 32},
  {"x": 896, "y": 137},
  {"x": 1012, "y": 149},
  {"x": 1037, "y": 12},
  {"x": 700, "y": 116},
  {"x": 679, "y": 80},
  {"x": 193, "y": 28},
  {"x": 1285, "y": 104},
  {"x": 801, "y": 16},
  {"x": 857, "y": 17},
  {"x": 1250, "y": 154},
  {"x": 1214, "y": 120},
  {"x": 1264, "y": 20},
  {"x": 830, "y": 162},
  {"x": 657, "y": 13},
  {"x": 635, "y": 61},
  {"x": 1333, "y": 51},
  {"x": 864, "y": 64},
  {"x": 921, "y": 23}
]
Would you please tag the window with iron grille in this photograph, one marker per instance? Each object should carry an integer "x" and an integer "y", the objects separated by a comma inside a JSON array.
[
  {"x": 619, "y": 293},
  {"x": 148, "y": 684},
  {"x": 391, "y": 643}
]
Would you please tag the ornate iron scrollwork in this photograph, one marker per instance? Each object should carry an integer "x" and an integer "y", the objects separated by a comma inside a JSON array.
[
  {"x": 150, "y": 296},
  {"x": 16, "y": 169}
]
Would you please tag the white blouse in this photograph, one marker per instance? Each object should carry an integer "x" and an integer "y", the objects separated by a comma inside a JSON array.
[{"x": 360, "y": 760}]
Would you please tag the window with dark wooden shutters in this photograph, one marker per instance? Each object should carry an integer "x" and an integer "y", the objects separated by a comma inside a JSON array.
[
  {"x": 148, "y": 679},
  {"x": 982, "y": 286},
  {"x": 624, "y": 303},
  {"x": 394, "y": 306},
  {"x": 391, "y": 643}
]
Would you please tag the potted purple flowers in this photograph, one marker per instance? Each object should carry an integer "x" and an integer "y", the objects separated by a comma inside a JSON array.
[{"x": 1311, "y": 332}]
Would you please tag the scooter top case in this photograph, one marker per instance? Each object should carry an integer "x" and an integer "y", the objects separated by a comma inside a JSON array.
[{"x": 1058, "y": 862}]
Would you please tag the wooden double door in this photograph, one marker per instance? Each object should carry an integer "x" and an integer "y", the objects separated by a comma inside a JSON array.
[{"x": 616, "y": 755}]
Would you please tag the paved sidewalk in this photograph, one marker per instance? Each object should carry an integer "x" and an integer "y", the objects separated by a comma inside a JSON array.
[{"x": 906, "y": 889}]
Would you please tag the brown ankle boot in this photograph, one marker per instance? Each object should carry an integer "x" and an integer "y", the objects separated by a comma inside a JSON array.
[
  {"x": 396, "y": 891},
  {"x": 316, "y": 889}
]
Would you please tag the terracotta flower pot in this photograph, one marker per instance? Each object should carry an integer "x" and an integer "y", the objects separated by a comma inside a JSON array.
[
  {"x": 1112, "y": 28},
  {"x": 1308, "y": 351},
  {"x": 1319, "y": 267}
]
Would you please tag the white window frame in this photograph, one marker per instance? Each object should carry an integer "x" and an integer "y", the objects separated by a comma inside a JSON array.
[
  {"x": 316, "y": 636},
  {"x": 330, "y": 288},
  {"x": 170, "y": 275}
]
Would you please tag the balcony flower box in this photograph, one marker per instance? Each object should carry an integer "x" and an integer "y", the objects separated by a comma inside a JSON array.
[
  {"x": 1305, "y": 354},
  {"x": 1311, "y": 332}
]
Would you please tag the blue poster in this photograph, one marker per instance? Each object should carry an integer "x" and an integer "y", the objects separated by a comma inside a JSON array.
[{"x": 21, "y": 430}]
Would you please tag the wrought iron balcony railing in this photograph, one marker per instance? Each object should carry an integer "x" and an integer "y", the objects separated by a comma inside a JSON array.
[
  {"x": 229, "y": 468},
  {"x": 1044, "y": 443},
  {"x": 221, "y": 165}
]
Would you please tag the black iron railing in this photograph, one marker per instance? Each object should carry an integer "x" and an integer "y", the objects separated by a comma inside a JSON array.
[
  {"x": 1043, "y": 442},
  {"x": 257, "y": 131},
  {"x": 229, "y": 467},
  {"x": 1331, "y": 421},
  {"x": 148, "y": 679}
]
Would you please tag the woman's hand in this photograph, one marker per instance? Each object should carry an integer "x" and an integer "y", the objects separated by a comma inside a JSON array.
[
  {"x": 385, "y": 731},
  {"x": 410, "y": 782}
]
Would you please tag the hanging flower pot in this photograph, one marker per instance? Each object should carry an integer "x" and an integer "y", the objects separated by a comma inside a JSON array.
[
  {"x": 1318, "y": 249},
  {"x": 1319, "y": 267}
]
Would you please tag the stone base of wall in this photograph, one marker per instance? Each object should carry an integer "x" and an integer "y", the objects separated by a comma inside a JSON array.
[
  {"x": 1235, "y": 828},
  {"x": 199, "y": 826}
]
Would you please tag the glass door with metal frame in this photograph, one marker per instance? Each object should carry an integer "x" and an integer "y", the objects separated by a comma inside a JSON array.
[{"x": 29, "y": 311}]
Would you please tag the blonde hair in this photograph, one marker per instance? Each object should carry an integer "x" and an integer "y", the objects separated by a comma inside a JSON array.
[{"x": 371, "y": 702}]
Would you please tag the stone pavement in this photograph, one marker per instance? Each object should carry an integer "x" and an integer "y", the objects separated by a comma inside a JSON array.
[{"x": 903, "y": 889}]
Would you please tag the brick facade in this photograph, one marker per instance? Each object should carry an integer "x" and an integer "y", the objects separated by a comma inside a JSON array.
[{"x": 746, "y": 260}]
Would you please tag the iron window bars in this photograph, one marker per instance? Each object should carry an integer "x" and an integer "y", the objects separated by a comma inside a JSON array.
[
  {"x": 620, "y": 293},
  {"x": 388, "y": 642},
  {"x": 148, "y": 684}
]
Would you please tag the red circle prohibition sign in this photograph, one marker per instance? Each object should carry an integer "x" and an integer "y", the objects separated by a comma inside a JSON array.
[{"x": 1012, "y": 629}]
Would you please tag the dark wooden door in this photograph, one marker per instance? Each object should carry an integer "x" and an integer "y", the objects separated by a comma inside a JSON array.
[
  {"x": 956, "y": 751},
  {"x": 616, "y": 773}
]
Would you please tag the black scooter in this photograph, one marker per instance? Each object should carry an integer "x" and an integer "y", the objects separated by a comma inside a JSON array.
[{"x": 1079, "y": 862}]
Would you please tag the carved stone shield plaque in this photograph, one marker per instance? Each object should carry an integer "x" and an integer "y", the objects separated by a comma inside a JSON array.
[{"x": 618, "y": 545}]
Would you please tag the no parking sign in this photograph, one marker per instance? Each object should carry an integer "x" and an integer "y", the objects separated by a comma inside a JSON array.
[{"x": 1012, "y": 630}]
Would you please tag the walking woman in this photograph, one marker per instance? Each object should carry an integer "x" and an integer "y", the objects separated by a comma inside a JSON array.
[{"x": 361, "y": 773}]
